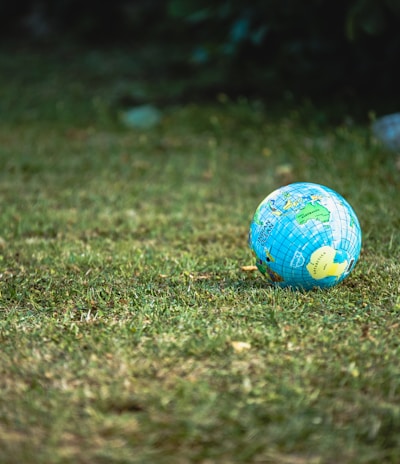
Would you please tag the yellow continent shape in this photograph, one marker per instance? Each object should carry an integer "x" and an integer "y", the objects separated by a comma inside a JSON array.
[{"x": 322, "y": 264}]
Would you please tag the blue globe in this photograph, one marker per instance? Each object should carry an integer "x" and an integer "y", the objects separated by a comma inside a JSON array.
[{"x": 305, "y": 235}]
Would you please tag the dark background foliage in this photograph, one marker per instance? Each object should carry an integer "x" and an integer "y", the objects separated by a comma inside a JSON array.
[{"x": 264, "y": 47}]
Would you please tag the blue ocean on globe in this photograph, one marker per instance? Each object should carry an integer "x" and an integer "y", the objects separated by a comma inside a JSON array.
[{"x": 304, "y": 236}]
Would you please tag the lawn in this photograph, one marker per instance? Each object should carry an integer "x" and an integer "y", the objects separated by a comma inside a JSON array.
[{"x": 130, "y": 332}]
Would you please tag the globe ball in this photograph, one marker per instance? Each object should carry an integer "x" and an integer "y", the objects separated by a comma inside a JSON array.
[{"x": 305, "y": 235}]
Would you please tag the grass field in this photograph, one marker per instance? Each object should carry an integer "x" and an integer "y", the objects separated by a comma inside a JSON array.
[{"x": 130, "y": 332}]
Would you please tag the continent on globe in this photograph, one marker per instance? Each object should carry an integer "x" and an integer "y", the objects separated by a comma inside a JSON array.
[
  {"x": 313, "y": 211},
  {"x": 291, "y": 204},
  {"x": 322, "y": 264},
  {"x": 256, "y": 218}
]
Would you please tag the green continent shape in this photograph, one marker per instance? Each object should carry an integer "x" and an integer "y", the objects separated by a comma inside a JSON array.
[
  {"x": 256, "y": 218},
  {"x": 313, "y": 211}
]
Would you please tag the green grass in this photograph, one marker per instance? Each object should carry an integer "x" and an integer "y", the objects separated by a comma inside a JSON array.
[{"x": 122, "y": 293}]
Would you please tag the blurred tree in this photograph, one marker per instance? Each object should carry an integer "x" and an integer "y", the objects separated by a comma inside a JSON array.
[
  {"x": 264, "y": 45},
  {"x": 74, "y": 19},
  {"x": 317, "y": 45}
]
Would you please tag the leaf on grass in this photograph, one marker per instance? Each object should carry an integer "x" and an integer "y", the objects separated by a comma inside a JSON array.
[
  {"x": 204, "y": 276},
  {"x": 352, "y": 369},
  {"x": 239, "y": 347},
  {"x": 249, "y": 268}
]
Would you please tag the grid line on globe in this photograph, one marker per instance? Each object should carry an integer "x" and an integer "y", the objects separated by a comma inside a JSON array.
[{"x": 305, "y": 235}]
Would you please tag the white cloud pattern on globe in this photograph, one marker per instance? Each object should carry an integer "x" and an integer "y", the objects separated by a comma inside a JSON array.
[{"x": 305, "y": 235}]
